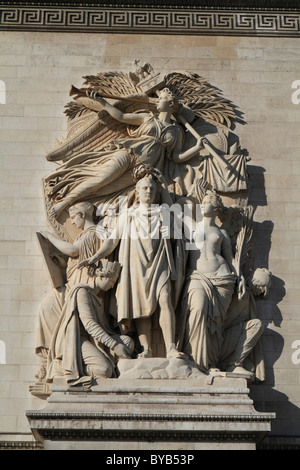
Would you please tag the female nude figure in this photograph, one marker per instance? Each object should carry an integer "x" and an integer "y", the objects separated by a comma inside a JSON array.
[
  {"x": 106, "y": 172},
  {"x": 210, "y": 283}
]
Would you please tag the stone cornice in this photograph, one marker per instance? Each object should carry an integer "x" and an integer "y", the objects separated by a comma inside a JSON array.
[
  {"x": 149, "y": 417},
  {"x": 21, "y": 445},
  {"x": 191, "y": 20}
]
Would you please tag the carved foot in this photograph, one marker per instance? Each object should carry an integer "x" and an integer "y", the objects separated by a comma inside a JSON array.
[
  {"x": 146, "y": 353},
  {"x": 172, "y": 352}
]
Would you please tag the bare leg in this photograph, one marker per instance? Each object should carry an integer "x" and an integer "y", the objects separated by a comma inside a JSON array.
[
  {"x": 167, "y": 322},
  {"x": 143, "y": 326},
  {"x": 249, "y": 336}
]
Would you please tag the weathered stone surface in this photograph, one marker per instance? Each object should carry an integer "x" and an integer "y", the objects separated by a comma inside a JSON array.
[
  {"x": 256, "y": 73},
  {"x": 157, "y": 368}
]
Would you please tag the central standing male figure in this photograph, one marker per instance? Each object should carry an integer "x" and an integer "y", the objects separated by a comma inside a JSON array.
[{"x": 144, "y": 282}]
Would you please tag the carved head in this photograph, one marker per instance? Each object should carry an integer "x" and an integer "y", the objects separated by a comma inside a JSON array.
[
  {"x": 146, "y": 189},
  {"x": 167, "y": 101},
  {"x": 261, "y": 282},
  {"x": 79, "y": 213},
  {"x": 212, "y": 203}
]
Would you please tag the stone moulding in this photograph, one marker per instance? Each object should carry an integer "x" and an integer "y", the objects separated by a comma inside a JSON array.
[
  {"x": 147, "y": 417},
  {"x": 74, "y": 426},
  {"x": 198, "y": 21},
  {"x": 21, "y": 445},
  {"x": 112, "y": 413}
]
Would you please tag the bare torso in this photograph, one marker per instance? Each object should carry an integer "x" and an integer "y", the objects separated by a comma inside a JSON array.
[{"x": 208, "y": 258}]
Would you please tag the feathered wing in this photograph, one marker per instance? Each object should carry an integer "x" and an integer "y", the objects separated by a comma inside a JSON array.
[
  {"x": 239, "y": 226},
  {"x": 212, "y": 116},
  {"x": 89, "y": 126},
  {"x": 205, "y": 100},
  {"x": 111, "y": 83},
  {"x": 244, "y": 244}
]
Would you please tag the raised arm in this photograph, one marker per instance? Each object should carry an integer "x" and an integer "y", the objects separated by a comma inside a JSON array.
[
  {"x": 127, "y": 118},
  {"x": 181, "y": 157}
]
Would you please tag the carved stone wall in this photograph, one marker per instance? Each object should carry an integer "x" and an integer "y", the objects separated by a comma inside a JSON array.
[{"x": 256, "y": 73}]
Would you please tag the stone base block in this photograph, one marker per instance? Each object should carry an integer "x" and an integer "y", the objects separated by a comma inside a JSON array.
[
  {"x": 158, "y": 368},
  {"x": 207, "y": 412}
]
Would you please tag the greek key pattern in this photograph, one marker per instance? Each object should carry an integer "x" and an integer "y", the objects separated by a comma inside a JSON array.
[{"x": 149, "y": 21}]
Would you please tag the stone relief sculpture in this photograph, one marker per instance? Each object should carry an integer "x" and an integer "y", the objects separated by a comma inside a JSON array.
[
  {"x": 74, "y": 338},
  {"x": 241, "y": 351},
  {"x": 154, "y": 140},
  {"x": 147, "y": 265},
  {"x": 140, "y": 147},
  {"x": 211, "y": 280}
]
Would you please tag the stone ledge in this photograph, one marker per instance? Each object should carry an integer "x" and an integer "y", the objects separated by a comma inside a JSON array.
[{"x": 161, "y": 411}]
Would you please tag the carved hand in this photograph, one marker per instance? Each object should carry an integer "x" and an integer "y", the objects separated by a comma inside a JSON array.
[
  {"x": 121, "y": 351},
  {"x": 94, "y": 95},
  {"x": 85, "y": 262},
  {"x": 160, "y": 177},
  {"x": 88, "y": 261},
  {"x": 165, "y": 231},
  {"x": 199, "y": 143},
  {"x": 241, "y": 287}
]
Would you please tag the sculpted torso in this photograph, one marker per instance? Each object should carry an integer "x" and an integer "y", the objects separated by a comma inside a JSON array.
[{"x": 209, "y": 258}]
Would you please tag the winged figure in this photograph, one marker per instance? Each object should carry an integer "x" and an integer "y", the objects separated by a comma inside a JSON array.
[{"x": 183, "y": 127}]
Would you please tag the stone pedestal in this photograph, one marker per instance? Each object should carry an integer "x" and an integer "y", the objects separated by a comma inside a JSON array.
[{"x": 207, "y": 412}]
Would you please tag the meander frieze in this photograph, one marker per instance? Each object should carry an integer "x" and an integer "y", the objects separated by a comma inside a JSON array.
[{"x": 156, "y": 20}]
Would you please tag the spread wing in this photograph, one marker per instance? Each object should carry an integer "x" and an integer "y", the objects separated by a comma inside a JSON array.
[
  {"x": 214, "y": 117},
  {"x": 239, "y": 225},
  {"x": 205, "y": 100},
  {"x": 89, "y": 126}
]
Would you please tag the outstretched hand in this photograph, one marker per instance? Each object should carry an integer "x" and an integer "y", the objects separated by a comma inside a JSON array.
[
  {"x": 199, "y": 143},
  {"x": 85, "y": 262},
  {"x": 159, "y": 176}
]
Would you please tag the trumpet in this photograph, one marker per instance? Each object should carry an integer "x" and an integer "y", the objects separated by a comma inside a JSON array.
[{"x": 82, "y": 92}]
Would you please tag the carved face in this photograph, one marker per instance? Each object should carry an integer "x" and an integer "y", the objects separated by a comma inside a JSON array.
[
  {"x": 146, "y": 190},
  {"x": 77, "y": 218},
  {"x": 166, "y": 102},
  {"x": 163, "y": 105},
  {"x": 207, "y": 206}
]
